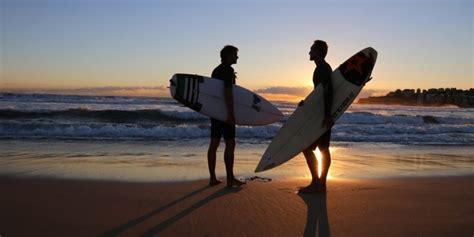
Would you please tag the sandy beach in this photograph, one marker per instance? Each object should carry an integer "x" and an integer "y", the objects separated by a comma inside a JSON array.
[{"x": 440, "y": 206}]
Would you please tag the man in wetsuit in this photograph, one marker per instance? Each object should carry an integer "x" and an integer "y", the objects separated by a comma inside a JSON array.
[
  {"x": 321, "y": 75},
  {"x": 226, "y": 73}
]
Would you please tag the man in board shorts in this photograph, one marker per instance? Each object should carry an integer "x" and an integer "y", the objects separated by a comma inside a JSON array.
[{"x": 226, "y": 73}]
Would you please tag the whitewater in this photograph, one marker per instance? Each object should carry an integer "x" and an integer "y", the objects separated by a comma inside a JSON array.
[{"x": 46, "y": 116}]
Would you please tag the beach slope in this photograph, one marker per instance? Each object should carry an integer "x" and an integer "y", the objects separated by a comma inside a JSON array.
[{"x": 441, "y": 206}]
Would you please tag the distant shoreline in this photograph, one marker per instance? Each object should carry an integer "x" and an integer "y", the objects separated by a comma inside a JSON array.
[
  {"x": 432, "y": 97},
  {"x": 404, "y": 104}
]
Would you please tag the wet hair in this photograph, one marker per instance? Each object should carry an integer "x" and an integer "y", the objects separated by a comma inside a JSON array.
[
  {"x": 321, "y": 47},
  {"x": 228, "y": 49}
]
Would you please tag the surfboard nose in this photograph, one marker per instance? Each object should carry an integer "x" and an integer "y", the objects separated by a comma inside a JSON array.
[
  {"x": 265, "y": 165},
  {"x": 260, "y": 166},
  {"x": 371, "y": 53},
  {"x": 173, "y": 85}
]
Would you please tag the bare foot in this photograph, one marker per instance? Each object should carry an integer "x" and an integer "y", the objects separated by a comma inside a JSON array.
[
  {"x": 234, "y": 182},
  {"x": 214, "y": 182},
  {"x": 312, "y": 188}
]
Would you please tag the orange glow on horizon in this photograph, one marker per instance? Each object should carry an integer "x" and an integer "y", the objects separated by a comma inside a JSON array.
[
  {"x": 157, "y": 91},
  {"x": 282, "y": 97}
]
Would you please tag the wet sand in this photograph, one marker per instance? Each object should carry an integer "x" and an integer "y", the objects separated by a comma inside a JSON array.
[{"x": 439, "y": 206}]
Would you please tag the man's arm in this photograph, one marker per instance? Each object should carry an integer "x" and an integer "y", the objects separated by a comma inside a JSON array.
[
  {"x": 229, "y": 101},
  {"x": 328, "y": 98}
]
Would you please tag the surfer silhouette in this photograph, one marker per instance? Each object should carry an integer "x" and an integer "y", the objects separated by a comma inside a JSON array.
[
  {"x": 226, "y": 73},
  {"x": 322, "y": 75}
]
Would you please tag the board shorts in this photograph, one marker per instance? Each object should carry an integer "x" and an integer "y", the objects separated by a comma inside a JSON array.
[
  {"x": 219, "y": 128},
  {"x": 322, "y": 142}
]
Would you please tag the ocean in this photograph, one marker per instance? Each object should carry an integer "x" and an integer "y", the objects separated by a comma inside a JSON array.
[{"x": 157, "y": 139}]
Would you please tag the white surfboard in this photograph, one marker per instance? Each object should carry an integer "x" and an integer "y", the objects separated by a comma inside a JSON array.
[
  {"x": 206, "y": 96},
  {"x": 305, "y": 125}
]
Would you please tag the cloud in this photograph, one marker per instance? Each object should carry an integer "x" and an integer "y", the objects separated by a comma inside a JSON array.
[
  {"x": 115, "y": 89},
  {"x": 285, "y": 90},
  {"x": 284, "y": 93},
  {"x": 288, "y": 93}
]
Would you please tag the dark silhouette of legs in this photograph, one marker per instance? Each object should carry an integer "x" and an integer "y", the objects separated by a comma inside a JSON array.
[
  {"x": 312, "y": 164},
  {"x": 211, "y": 161},
  {"x": 313, "y": 168},
  {"x": 318, "y": 184},
  {"x": 325, "y": 163},
  {"x": 229, "y": 163}
]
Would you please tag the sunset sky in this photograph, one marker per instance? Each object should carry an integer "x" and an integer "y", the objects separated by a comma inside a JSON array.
[{"x": 118, "y": 47}]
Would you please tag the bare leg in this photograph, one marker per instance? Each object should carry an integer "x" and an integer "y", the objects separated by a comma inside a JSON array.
[
  {"x": 326, "y": 163},
  {"x": 312, "y": 164},
  {"x": 229, "y": 163},
  {"x": 313, "y": 168},
  {"x": 211, "y": 161}
]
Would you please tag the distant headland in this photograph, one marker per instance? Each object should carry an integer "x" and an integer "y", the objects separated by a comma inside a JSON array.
[{"x": 430, "y": 97}]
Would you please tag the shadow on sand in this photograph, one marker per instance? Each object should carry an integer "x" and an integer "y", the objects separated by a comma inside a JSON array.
[
  {"x": 317, "y": 223},
  {"x": 163, "y": 225}
]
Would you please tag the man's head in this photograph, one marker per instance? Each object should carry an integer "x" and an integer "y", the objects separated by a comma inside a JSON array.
[
  {"x": 229, "y": 55},
  {"x": 318, "y": 51}
]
